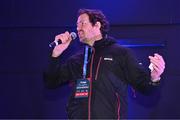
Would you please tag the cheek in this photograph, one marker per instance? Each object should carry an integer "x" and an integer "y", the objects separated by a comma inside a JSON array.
[{"x": 89, "y": 32}]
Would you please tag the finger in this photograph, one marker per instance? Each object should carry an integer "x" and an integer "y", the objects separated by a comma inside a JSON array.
[
  {"x": 156, "y": 60},
  {"x": 157, "y": 63},
  {"x": 153, "y": 60},
  {"x": 159, "y": 57},
  {"x": 158, "y": 70},
  {"x": 155, "y": 71},
  {"x": 58, "y": 37},
  {"x": 63, "y": 37},
  {"x": 67, "y": 33}
]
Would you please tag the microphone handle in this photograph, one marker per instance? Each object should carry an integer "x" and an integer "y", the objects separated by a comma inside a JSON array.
[{"x": 55, "y": 43}]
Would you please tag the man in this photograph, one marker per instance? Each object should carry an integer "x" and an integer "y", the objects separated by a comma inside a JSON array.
[{"x": 101, "y": 73}]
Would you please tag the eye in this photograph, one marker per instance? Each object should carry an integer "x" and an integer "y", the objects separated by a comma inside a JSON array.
[{"x": 82, "y": 23}]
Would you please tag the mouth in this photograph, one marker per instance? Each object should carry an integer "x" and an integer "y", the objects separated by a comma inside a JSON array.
[{"x": 80, "y": 33}]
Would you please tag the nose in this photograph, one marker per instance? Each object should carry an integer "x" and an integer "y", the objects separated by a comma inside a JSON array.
[{"x": 78, "y": 27}]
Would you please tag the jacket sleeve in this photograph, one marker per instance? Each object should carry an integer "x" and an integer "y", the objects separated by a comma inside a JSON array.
[
  {"x": 136, "y": 75},
  {"x": 57, "y": 74}
]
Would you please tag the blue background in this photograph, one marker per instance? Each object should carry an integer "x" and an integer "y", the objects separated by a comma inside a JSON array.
[{"x": 27, "y": 27}]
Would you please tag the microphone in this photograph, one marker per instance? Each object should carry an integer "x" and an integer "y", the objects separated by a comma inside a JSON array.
[{"x": 57, "y": 42}]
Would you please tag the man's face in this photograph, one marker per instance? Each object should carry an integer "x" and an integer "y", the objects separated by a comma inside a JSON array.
[{"x": 86, "y": 30}]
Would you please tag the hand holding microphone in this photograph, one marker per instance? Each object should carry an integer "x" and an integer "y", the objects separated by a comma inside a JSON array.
[
  {"x": 59, "y": 38},
  {"x": 61, "y": 42}
]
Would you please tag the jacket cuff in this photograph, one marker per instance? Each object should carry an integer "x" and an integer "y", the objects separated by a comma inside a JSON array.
[
  {"x": 155, "y": 82},
  {"x": 54, "y": 60}
]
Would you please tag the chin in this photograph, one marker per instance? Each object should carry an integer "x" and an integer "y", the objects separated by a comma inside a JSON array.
[{"x": 82, "y": 40}]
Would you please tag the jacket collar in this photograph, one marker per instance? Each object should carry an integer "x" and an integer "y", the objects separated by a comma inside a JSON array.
[{"x": 103, "y": 42}]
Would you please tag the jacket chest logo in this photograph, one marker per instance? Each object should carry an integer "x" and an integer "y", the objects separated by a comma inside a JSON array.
[{"x": 108, "y": 59}]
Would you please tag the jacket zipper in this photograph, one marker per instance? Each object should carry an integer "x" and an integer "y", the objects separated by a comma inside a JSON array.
[
  {"x": 90, "y": 87},
  {"x": 118, "y": 106},
  {"x": 134, "y": 92},
  {"x": 97, "y": 70}
]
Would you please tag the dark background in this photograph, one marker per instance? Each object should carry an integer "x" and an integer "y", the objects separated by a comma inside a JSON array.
[{"x": 27, "y": 27}]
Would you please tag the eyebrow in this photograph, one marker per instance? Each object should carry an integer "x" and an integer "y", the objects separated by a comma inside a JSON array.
[{"x": 85, "y": 21}]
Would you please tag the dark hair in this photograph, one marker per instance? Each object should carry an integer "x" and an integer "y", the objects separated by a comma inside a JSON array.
[{"x": 96, "y": 16}]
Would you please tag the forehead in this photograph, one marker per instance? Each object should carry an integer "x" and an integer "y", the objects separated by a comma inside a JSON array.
[{"x": 83, "y": 17}]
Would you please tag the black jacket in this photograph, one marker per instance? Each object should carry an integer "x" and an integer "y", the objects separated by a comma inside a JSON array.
[{"x": 111, "y": 68}]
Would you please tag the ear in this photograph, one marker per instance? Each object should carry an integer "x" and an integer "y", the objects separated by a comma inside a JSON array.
[{"x": 98, "y": 25}]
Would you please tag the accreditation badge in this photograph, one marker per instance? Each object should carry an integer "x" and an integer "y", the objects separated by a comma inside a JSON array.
[{"x": 82, "y": 88}]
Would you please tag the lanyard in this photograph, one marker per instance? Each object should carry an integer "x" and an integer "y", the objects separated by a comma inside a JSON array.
[{"x": 85, "y": 62}]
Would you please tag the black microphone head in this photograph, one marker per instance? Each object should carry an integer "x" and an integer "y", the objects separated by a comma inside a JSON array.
[{"x": 73, "y": 35}]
